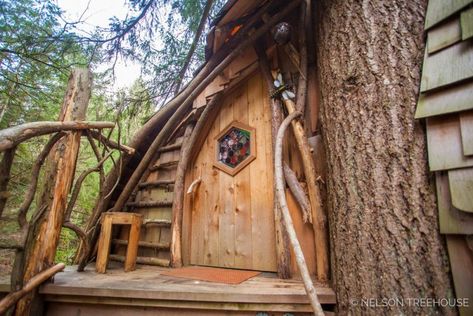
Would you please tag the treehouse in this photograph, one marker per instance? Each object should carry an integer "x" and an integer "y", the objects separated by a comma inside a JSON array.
[{"x": 218, "y": 203}]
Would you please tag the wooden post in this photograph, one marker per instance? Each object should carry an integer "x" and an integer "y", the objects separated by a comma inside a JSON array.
[{"x": 60, "y": 174}]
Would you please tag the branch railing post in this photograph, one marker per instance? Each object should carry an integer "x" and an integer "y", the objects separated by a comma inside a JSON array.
[{"x": 281, "y": 197}]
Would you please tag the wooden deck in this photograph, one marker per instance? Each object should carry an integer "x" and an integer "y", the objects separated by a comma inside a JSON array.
[{"x": 145, "y": 291}]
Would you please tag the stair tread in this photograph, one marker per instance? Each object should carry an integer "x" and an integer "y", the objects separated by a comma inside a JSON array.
[
  {"x": 156, "y": 183},
  {"x": 164, "y": 165},
  {"x": 144, "y": 244},
  {"x": 157, "y": 221},
  {"x": 170, "y": 147},
  {"x": 145, "y": 204}
]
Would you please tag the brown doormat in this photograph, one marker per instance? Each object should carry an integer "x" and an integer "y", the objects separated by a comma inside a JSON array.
[{"x": 228, "y": 276}]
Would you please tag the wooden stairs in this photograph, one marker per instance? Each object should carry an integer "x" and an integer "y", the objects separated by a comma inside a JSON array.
[{"x": 153, "y": 199}]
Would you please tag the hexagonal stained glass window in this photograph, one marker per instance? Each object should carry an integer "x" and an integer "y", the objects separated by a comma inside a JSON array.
[{"x": 235, "y": 147}]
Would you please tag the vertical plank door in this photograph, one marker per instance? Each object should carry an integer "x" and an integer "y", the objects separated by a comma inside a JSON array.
[{"x": 231, "y": 216}]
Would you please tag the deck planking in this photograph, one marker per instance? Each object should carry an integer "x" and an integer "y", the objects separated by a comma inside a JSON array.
[{"x": 146, "y": 286}]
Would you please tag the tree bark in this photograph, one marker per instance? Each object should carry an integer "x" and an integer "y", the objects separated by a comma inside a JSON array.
[{"x": 382, "y": 210}]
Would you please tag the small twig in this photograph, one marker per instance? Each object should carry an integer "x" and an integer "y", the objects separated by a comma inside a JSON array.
[{"x": 298, "y": 192}]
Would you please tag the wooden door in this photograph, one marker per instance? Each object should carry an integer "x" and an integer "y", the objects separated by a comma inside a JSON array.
[{"x": 231, "y": 216}]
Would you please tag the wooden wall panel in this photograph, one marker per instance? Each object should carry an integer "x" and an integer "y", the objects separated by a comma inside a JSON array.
[
  {"x": 461, "y": 262},
  {"x": 466, "y": 20},
  {"x": 461, "y": 188},
  {"x": 466, "y": 128}
]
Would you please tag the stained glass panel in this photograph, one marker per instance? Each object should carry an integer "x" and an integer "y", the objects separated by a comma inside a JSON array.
[{"x": 234, "y": 147}]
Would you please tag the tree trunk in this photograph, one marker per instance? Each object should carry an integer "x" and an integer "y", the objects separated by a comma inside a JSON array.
[
  {"x": 44, "y": 236},
  {"x": 382, "y": 212}
]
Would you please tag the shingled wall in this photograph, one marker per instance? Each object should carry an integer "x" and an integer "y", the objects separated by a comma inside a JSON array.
[{"x": 446, "y": 105}]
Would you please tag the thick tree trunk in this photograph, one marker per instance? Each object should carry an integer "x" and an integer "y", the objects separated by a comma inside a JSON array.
[{"x": 382, "y": 212}]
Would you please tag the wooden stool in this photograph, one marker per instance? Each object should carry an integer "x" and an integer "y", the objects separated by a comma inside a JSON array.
[{"x": 118, "y": 218}]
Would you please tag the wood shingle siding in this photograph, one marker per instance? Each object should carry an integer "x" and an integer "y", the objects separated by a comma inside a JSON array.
[
  {"x": 439, "y": 10},
  {"x": 448, "y": 66},
  {"x": 446, "y": 102}
]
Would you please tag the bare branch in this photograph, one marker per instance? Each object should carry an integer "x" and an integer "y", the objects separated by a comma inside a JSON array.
[
  {"x": 281, "y": 196},
  {"x": 198, "y": 33},
  {"x": 110, "y": 143},
  {"x": 10, "y": 137},
  {"x": 34, "y": 178}
]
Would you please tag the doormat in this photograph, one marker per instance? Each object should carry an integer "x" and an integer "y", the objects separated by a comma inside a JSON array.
[{"x": 228, "y": 276}]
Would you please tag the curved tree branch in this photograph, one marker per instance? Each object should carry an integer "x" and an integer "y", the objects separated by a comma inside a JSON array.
[
  {"x": 12, "y": 136},
  {"x": 82, "y": 235},
  {"x": 281, "y": 196},
  {"x": 34, "y": 178}
]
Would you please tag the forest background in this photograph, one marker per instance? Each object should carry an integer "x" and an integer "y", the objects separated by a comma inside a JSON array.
[{"x": 39, "y": 45}]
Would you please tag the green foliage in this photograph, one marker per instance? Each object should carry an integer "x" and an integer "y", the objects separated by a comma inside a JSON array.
[{"x": 36, "y": 55}]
